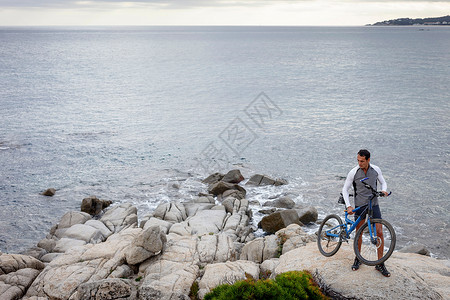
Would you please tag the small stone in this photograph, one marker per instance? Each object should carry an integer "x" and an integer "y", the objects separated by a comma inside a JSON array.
[{"x": 49, "y": 192}]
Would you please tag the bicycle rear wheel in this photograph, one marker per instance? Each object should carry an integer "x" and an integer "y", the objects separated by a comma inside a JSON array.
[
  {"x": 329, "y": 235},
  {"x": 377, "y": 244}
]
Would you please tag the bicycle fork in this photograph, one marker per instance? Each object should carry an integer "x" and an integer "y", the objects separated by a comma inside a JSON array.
[{"x": 373, "y": 233}]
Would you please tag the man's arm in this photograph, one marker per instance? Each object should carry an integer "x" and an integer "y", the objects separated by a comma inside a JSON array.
[
  {"x": 381, "y": 180},
  {"x": 347, "y": 185}
]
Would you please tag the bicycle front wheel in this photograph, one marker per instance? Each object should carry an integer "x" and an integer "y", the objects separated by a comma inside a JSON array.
[
  {"x": 374, "y": 245},
  {"x": 329, "y": 235}
]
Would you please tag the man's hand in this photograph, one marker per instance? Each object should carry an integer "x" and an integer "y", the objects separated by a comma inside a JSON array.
[
  {"x": 385, "y": 193},
  {"x": 350, "y": 210}
]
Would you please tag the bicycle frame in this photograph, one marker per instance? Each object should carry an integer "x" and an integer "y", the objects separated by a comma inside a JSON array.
[{"x": 354, "y": 224}]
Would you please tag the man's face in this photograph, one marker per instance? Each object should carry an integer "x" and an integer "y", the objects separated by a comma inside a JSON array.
[{"x": 363, "y": 162}]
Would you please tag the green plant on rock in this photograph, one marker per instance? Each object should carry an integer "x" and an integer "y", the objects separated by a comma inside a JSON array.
[
  {"x": 282, "y": 239},
  {"x": 193, "y": 293},
  {"x": 287, "y": 286}
]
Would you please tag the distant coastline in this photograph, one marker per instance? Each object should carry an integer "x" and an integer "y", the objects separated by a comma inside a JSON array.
[{"x": 437, "y": 21}]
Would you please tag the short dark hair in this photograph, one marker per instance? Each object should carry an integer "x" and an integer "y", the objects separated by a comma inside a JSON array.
[{"x": 365, "y": 153}]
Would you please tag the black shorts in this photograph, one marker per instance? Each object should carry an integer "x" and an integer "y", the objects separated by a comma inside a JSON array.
[{"x": 376, "y": 213}]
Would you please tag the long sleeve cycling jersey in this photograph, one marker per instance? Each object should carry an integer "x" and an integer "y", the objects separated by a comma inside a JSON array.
[{"x": 361, "y": 193}]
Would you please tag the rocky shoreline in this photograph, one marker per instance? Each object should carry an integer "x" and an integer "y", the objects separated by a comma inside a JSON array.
[{"x": 185, "y": 249}]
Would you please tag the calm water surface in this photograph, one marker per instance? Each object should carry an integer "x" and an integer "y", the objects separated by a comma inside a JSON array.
[{"x": 142, "y": 114}]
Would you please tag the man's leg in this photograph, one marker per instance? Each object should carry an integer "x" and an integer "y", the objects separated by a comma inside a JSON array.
[
  {"x": 357, "y": 263},
  {"x": 381, "y": 267},
  {"x": 380, "y": 240}
]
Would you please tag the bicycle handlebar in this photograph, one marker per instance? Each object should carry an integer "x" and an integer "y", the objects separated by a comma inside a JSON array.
[{"x": 379, "y": 194}]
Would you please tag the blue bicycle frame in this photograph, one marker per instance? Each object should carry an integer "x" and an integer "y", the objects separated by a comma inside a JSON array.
[{"x": 353, "y": 224}]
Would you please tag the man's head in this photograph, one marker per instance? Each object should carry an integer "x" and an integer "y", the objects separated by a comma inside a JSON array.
[{"x": 363, "y": 159}]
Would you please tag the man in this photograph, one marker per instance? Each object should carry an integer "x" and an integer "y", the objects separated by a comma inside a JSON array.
[{"x": 362, "y": 194}]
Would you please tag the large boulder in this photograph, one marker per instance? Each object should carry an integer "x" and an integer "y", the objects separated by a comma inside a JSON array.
[
  {"x": 278, "y": 220},
  {"x": 293, "y": 236},
  {"x": 164, "y": 225},
  {"x": 73, "y": 217},
  {"x": 207, "y": 221},
  {"x": 307, "y": 214},
  {"x": 226, "y": 273},
  {"x": 148, "y": 243},
  {"x": 258, "y": 179},
  {"x": 172, "y": 212},
  {"x": 416, "y": 248},
  {"x": 17, "y": 272},
  {"x": 65, "y": 244},
  {"x": 10, "y": 263},
  {"x": 233, "y": 176},
  {"x": 94, "y": 206},
  {"x": 261, "y": 249},
  {"x": 221, "y": 186},
  {"x": 213, "y": 178},
  {"x": 85, "y": 233},
  {"x": 171, "y": 274},
  {"x": 120, "y": 217},
  {"x": 283, "y": 202},
  {"x": 423, "y": 279},
  {"x": 215, "y": 248},
  {"x": 89, "y": 263},
  {"x": 99, "y": 226}
]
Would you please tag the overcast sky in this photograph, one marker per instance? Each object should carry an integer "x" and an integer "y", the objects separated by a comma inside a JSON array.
[{"x": 214, "y": 12}]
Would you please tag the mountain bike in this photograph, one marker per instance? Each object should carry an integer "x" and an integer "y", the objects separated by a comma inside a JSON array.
[{"x": 374, "y": 241}]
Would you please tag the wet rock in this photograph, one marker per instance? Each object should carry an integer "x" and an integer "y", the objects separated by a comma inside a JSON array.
[
  {"x": 49, "y": 192},
  {"x": 283, "y": 202},
  {"x": 268, "y": 211},
  {"x": 36, "y": 252},
  {"x": 258, "y": 179},
  {"x": 416, "y": 248},
  {"x": 233, "y": 193},
  {"x": 221, "y": 186},
  {"x": 307, "y": 215},
  {"x": 94, "y": 206},
  {"x": 204, "y": 199},
  {"x": 47, "y": 244},
  {"x": 213, "y": 178},
  {"x": 233, "y": 176},
  {"x": 278, "y": 220}
]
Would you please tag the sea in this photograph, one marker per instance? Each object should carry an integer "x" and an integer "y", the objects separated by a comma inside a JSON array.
[{"x": 143, "y": 114}]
